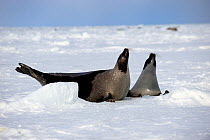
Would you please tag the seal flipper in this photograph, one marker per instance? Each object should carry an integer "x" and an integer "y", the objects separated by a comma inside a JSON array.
[
  {"x": 109, "y": 98},
  {"x": 133, "y": 94},
  {"x": 166, "y": 92},
  {"x": 24, "y": 69},
  {"x": 39, "y": 76}
]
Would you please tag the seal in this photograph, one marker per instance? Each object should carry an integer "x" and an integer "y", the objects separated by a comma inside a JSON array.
[
  {"x": 147, "y": 83},
  {"x": 94, "y": 86}
]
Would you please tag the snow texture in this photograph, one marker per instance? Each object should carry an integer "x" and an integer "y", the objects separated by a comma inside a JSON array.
[
  {"x": 54, "y": 111},
  {"x": 52, "y": 96}
]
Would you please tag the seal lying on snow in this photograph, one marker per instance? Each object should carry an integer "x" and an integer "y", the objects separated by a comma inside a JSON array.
[
  {"x": 147, "y": 83},
  {"x": 94, "y": 86}
]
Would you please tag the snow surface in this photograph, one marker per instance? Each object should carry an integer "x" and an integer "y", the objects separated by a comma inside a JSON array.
[
  {"x": 54, "y": 112},
  {"x": 52, "y": 96}
]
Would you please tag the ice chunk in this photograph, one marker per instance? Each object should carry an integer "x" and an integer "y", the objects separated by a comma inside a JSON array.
[
  {"x": 52, "y": 96},
  {"x": 55, "y": 94}
]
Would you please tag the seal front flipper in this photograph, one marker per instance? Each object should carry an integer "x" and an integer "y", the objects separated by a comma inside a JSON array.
[
  {"x": 104, "y": 97},
  {"x": 110, "y": 98},
  {"x": 133, "y": 94}
]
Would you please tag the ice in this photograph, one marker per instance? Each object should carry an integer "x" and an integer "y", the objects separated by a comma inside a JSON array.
[{"x": 30, "y": 111}]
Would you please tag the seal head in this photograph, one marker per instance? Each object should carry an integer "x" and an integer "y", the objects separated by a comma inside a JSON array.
[
  {"x": 122, "y": 61},
  {"x": 151, "y": 59}
]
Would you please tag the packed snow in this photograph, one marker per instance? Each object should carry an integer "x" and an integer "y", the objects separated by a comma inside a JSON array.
[
  {"x": 54, "y": 111},
  {"x": 52, "y": 96}
]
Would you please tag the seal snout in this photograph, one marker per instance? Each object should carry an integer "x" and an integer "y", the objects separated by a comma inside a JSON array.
[
  {"x": 125, "y": 53},
  {"x": 152, "y": 55}
]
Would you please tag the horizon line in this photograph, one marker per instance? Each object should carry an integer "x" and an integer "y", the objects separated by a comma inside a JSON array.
[{"x": 196, "y": 23}]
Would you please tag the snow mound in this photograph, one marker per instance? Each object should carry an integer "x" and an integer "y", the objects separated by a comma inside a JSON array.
[
  {"x": 52, "y": 96},
  {"x": 55, "y": 94},
  {"x": 187, "y": 97}
]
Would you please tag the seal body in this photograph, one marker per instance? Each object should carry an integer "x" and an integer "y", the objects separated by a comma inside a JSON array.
[
  {"x": 111, "y": 84},
  {"x": 94, "y": 86},
  {"x": 147, "y": 83}
]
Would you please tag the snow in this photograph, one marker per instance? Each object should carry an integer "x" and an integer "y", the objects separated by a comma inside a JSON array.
[
  {"x": 52, "y": 96},
  {"x": 29, "y": 111}
]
